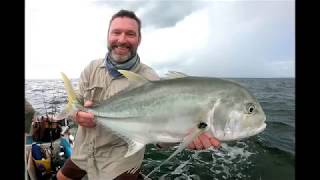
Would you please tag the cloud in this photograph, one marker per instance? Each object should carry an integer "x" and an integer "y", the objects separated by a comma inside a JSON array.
[
  {"x": 210, "y": 38},
  {"x": 228, "y": 40},
  {"x": 158, "y": 14},
  {"x": 63, "y": 36},
  {"x": 171, "y": 45}
]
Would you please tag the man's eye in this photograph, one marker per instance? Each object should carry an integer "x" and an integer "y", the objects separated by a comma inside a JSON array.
[
  {"x": 131, "y": 34},
  {"x": 116, "y": 32}
]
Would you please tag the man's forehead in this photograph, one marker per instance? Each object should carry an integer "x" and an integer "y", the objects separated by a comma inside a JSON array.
[{"x": 124, "y": 22}]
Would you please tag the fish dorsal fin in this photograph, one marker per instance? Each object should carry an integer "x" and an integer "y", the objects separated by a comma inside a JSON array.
[
  {"x": 174, "y": 75},
  {"x": 134, "y": 78},
  {"x": 195, "y": 132}
]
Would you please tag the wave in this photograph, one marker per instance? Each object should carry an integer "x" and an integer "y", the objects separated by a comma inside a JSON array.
[{"x": 281, "y": 124}]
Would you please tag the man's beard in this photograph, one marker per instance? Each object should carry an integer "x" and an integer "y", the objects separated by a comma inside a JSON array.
[{"x": 121, "y": 58}]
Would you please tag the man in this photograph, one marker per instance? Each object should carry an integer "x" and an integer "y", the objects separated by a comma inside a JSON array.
[
  {"x": 28, "y": 115},
  {"x": 98, "y": 152}
]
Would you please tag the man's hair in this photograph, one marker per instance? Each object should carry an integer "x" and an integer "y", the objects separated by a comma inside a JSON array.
[{"x": 129, "y": 14}]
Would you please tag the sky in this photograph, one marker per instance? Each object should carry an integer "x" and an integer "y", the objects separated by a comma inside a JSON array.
[{"x": 230, "y": 38}]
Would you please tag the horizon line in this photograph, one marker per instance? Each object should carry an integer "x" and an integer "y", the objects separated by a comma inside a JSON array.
[{"x": 287, "y": 77}]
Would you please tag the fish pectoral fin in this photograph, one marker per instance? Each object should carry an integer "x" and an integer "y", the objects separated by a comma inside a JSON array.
[
  {"x": 201, "y": 127},
  {"x": 133, "y": 147}
]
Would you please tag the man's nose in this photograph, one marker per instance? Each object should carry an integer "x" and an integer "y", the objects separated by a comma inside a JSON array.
[{"x": 122, "y": 38}]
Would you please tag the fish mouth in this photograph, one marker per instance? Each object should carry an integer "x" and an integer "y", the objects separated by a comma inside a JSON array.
[
  {"x": 234, "y": 137},
  {"x": 254, "y": 131},
  {"x": 261, "y": 128}
]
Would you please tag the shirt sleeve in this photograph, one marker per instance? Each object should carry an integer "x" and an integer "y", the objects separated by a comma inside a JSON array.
[
  {"x": 83, "y": 94},
  {"x": 150, "y": 74}
]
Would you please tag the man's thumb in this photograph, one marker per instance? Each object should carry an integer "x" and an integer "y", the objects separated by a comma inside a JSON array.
[{"x": 88, "y": 104}]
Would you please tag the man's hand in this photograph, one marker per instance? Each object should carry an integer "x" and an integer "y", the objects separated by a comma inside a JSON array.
[
  {"x": 204, "y": 141},
  {"x": 85, "y": 119}
]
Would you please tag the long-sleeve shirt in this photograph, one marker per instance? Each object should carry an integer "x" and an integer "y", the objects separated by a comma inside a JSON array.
[{"x": 97, "y": 150}]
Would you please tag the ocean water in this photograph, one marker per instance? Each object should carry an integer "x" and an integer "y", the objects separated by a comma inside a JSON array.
[{"x": 269, "y": 156}]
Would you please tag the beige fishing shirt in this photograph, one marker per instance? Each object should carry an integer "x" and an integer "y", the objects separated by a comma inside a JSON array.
[{"x": 97, "y": 150}]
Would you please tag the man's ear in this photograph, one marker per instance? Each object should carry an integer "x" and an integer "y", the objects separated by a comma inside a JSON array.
[{"x": 139, "y": 39}]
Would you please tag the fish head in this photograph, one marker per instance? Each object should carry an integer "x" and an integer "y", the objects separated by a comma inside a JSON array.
[{"x": 236, "y": 116}]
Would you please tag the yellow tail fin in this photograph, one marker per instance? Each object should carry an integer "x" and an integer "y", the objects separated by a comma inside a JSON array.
[{"x": 70, "y": 92}]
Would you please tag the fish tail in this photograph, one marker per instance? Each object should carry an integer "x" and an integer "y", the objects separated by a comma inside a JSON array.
[{"x": 72, "y": 100}]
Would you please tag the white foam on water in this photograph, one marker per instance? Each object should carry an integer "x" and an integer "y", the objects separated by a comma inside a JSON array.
[
  {"x": 229, "y": 159},
  {"x": 224, "y": 163}
]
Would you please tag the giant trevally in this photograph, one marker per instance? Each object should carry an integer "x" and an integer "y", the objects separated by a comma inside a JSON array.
[{"x": 176, "y": 109}]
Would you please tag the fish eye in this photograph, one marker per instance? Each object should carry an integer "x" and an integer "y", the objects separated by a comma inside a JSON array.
[{"x": 250, "y": 108}]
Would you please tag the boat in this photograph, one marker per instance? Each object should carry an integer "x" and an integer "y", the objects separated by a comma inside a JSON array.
[{"x": 47, "y": 146}]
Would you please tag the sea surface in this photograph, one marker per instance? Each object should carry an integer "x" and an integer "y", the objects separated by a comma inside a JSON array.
[{"x": 269, "y": 155}]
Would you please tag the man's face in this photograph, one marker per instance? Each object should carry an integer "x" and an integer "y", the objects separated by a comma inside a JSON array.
[{"x": 123, "y": 39}]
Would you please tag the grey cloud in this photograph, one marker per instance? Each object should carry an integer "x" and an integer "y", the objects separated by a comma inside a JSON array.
[
  {"x": 158, "y": 14},
  {"x": 130, "y": 5},
  {"x": 258, "y": 41},
  {"x": 165, "y": 13}
]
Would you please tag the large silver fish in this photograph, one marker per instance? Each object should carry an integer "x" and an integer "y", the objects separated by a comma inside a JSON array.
[{"x": 177, "y": 109}]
